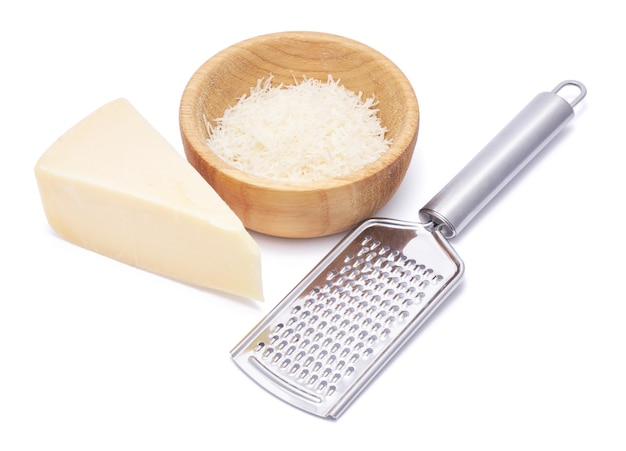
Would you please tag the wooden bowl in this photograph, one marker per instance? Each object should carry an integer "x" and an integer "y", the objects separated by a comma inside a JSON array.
[{"x": 300, "y": 209}]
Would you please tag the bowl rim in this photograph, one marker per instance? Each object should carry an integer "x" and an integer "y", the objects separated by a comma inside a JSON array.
[{"x": 400, "y": 144}]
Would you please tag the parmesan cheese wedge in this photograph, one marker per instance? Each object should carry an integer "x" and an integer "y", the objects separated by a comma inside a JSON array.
[{"x": 112, "y": 184}]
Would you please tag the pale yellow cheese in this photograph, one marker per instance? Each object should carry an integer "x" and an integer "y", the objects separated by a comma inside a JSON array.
[{"x": 112, "y": 184}]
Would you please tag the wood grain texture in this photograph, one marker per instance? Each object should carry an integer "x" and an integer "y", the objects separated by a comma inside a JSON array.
[{"x": 300, "y": 210}]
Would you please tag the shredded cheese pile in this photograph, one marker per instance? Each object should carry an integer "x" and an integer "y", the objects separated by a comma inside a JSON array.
[{"x": 308, "y": 131}]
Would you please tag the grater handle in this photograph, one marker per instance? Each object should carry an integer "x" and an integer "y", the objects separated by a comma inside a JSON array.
[{"x": 501, "y": 160}]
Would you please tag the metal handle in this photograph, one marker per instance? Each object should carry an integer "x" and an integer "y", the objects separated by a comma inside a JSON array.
[{"x": 501, "y": 160}]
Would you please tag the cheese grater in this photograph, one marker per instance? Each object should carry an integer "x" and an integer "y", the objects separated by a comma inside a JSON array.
[{"x": 326, "y": 340}]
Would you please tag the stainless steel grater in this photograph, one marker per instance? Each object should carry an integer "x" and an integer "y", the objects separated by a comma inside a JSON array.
[{"x": 326, "y": 340}]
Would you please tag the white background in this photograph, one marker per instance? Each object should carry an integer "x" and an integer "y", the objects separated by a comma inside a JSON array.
[{"x": 529, "y": 353}]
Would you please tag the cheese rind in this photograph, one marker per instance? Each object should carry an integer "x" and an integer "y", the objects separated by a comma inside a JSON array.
[{"x": 112, "y": 184}]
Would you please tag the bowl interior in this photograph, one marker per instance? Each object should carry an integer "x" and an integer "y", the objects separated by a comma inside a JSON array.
[{"x": 288, "y": 57}]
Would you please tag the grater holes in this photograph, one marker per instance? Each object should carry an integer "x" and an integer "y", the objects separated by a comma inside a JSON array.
[
  {"x": 345, "y": 269},
  {"x": 322, "y": 386},
  {"x": 304, "y": 315},
  {"x": 332, "y": 332},
  {"x": 370, "y": 282},
  {"x": 282, "y": 345},
  {"x": 397, "y": 299},
  {"x": 395, "y": 255}
]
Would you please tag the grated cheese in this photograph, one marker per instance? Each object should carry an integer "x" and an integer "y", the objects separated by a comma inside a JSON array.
[{"x": 308, "y": 131}]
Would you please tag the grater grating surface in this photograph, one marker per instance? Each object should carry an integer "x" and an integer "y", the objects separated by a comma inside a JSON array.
[{"x": 331, "y": 334}]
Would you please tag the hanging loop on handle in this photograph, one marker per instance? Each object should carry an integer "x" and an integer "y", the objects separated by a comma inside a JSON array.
[
  {"x": 581, "y": 88},
  {"x": 500, "y": 160}
]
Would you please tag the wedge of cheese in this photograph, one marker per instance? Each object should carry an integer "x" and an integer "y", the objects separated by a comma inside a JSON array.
[{"x": 112, "y": 184}]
